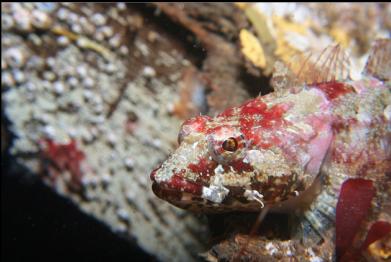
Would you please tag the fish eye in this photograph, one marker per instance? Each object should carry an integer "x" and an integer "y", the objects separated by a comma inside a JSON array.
[{"x": 230, "y": 144}]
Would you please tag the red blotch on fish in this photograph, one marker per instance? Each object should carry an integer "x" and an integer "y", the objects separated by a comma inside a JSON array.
[
  {"x": 255, "y": 114},
  {"x": 219, "y": 130},
  {"x": 240, "y": 166},
  {"x": 352, "y": 208},
  {"x": 204, "y": 168},
  {"x": 65, "y": 157},
  {"x": 334, "y": 89},
  {"x": 177, "y": 182},
  {"x": 339, "y": 124},
  {"x": 253, "y": 107},
  {"x": 197, "y": 124},
  {"x": 227, "y": 113}
]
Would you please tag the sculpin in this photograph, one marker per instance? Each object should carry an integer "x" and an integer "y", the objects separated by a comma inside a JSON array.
[{"x": 293, "y": 150}]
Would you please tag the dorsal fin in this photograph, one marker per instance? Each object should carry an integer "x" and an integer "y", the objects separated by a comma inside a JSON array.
[
  {"x": 329, "y": 65},
  {"x": 379, "y": 60}
]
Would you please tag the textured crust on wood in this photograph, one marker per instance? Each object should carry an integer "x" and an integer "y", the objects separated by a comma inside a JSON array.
[
  {"x": 223, "y": 66},
  {"x": 89, "y": 102}
]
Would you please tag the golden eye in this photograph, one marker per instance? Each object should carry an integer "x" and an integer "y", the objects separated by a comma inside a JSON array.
[{"x": 230, "y": 144}]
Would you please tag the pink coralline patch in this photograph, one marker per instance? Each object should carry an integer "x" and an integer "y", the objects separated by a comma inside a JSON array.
[
  {"x": 65, "y": 157},
  {"x": 334, "y": 89},
  {"x": 130, "y": 127},
  {"x": 352, "y": 208},
  {"x": 131, "y": 122}
]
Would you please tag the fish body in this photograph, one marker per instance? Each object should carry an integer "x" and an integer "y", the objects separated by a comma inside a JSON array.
[
  {"x": 290, "y": 150},
  {"x": 281, "y": 143}
]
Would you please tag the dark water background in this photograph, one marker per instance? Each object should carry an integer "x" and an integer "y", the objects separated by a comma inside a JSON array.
[{"x": 38, "y": 225}]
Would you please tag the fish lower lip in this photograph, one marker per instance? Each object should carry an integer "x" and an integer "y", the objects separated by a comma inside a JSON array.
[
  {"x": 162, "y": 187},
  {"x": 165, "y": 193},
  {"x": 179, "y": 184},
  {"x": 153, "y": 174}
]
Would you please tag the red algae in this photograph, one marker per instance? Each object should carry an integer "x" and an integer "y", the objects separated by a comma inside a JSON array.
[
  {"x": 377, "y": 231},
  {"x": 352, "y": 208},
  {"x": 66, "y": 157}
]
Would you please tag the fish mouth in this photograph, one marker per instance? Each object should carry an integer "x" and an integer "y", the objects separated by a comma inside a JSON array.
[
  {"x": 177, "y": 189},
  {"x": 177, "y": 182},
  {"x": 188, "y": 195},
  {"x": 174, "y": 196},
  {"x": 173, "y": 187},
  {"x": 196, "y": 203}
]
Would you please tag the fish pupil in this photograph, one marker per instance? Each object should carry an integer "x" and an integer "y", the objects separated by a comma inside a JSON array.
[{"x": 230, "y": 144}]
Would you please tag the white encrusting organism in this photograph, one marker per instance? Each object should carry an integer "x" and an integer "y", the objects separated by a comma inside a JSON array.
[
  {"x": 254, "y": 195},
  {"x": 216, "y": 192}
]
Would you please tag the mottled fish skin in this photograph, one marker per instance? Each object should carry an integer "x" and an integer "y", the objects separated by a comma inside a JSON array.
[
  {"x": 291, "y": 150},
  {"x": 281, "y": 143}
]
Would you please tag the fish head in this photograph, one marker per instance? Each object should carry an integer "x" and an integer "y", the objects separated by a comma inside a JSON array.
[{"x": 242, "y": 159}]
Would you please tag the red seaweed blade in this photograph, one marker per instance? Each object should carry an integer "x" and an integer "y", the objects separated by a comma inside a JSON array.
[{"x": 352, "y": 208}]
